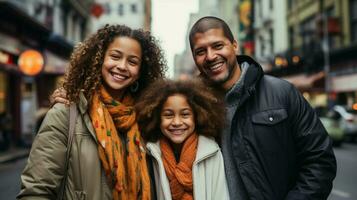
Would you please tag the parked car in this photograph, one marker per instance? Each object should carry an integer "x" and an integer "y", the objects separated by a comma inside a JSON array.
[
  {"x": 332, "y": 124},
  {"x": 348, "y": 121}
]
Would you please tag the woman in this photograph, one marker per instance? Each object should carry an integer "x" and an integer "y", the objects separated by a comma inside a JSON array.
[
  {"x": 107, "y": 161},
  {"x": 180, "y": 120}
]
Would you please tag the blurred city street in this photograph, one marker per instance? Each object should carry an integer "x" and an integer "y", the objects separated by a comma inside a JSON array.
[{"x": 344, "y": 186}]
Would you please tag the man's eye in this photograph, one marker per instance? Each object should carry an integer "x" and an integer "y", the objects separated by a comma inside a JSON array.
[
  {"x": 218, "y": 46},
  {"x": 200, "y": 52}
]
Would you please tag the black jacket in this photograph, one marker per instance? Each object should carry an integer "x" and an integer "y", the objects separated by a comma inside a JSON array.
[{"x": 280, "y": 147}]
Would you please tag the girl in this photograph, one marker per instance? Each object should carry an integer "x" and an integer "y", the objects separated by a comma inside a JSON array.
[
  {"x": 179, "y": 120},
  {"x": 107, "y": 161}
]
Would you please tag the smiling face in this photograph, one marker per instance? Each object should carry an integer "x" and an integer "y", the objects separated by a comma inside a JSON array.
[
  {"x": 121, "y": 66},
  {"x": 215, "y": 57},
  {"x": 177, "y": 119}
]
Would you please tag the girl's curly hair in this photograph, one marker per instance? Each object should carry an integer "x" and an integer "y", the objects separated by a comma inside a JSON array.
[
  {"x": 84, "y": 73},
  {"x": 209, "y": 111}
]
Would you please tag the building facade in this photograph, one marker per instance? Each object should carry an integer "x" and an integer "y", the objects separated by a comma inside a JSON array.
[
  {"x": 319, "y": 59},
  {"x": 133, "y": 13},
  {"x": 50, "y": 27},
  {"x": 270, "y": 31}
]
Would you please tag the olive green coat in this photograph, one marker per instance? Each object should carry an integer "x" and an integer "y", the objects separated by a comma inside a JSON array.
[{"x": 44, "y": 171}]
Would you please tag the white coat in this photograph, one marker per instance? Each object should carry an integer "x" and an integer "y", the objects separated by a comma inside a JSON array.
[{"x": 209, "y": 180}]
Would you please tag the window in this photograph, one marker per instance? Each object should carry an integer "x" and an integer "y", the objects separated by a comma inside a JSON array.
[
  {"x": 308, "y": 28},
  {"x": 107, "y": 8},
  {"x": 271, "y": 4},
  {"x": 134, "y": 8},
  {"x": 291, "y": 37},
  {"x": 290, "y": 4},
  {"x": 271, "y": 35},
  {"x": 121, "y": 9},
  {"x": 353, "y": 16}
]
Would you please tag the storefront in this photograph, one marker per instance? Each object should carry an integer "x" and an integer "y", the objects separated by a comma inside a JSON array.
[{"x": 21, "y": 94}]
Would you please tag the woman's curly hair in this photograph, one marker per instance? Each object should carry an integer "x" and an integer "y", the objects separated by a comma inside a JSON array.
[
  {"x": 209, "y": 111},
  {"x": 84, "y": 73}
]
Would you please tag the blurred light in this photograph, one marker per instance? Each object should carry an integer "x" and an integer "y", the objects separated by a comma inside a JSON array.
[
  {"x": 285, "y": 62},
  {"x": 31, "y": 62},
  {"x": 354, "y": 106},
  {"x": 278, "y": 61},
  {"x": 296, "y": 59}
]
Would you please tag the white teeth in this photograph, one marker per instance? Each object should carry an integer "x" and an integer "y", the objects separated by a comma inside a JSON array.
[
  {"x": 179, "y": 131},
  {"x": 215, "y": 66},
  {"x": 118, "y": 76}
]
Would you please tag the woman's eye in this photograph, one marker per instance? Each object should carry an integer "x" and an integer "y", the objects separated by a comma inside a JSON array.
[
  {"x": 186, "y": 114},
  {"x": 133, "y": 62},
  {"x": 115, "y": 57}
]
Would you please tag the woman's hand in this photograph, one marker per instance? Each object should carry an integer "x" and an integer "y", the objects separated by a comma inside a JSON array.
[{"x": 59, "y": 96}]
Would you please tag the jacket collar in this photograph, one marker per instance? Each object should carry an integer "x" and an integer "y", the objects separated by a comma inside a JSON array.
[
  {"x": 251, "y": 73},
  {"x": 83, "y": 103},
  {"x": 207, "y": 147},
  {"x": 83, "y": 107},
  {"x": 254, "y": 73}
]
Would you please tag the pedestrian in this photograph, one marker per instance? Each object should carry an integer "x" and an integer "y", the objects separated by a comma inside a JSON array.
[
  {"x": 107, "y": 160},
  {"x": 180, "y": 120},
  {"x": 274, "y": 146}
]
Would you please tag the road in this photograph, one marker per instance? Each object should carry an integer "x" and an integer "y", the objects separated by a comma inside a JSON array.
[
  {"x": 345, "y": 184},
  {"x": 10, "y": 179}
]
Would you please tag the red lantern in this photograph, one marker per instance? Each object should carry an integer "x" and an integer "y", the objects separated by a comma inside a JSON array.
[
  {"x": 97, "y": 10},
  {"x": 31, "y": 62}
]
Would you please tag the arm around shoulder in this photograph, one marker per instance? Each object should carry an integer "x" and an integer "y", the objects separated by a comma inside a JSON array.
[{"x": 44, "y": 171}]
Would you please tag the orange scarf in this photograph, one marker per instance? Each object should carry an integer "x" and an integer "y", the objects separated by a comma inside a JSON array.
[
  {"x": 180, "y": 174},
  {"x": 124, "y": 162}
]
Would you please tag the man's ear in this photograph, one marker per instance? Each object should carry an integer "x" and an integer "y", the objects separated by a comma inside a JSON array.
[{"x": 236, "y": 47}]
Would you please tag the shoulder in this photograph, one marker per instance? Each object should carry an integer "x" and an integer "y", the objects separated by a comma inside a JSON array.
[
  {"x": 271, "y": 81},
  {"x": 57, "y": 116},
  {"x": 207, "y": 141},
  {"x": 270, "y": 86},
  {"x": 207, "y": 146}
]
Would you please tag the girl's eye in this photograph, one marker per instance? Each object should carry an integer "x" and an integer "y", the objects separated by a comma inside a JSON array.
[
  {"x": 167, "y": 115},
  {"x": 186, "y": 114}
]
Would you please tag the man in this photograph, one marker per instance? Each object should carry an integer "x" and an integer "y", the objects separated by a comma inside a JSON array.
[{"x": 274, "y": 146}]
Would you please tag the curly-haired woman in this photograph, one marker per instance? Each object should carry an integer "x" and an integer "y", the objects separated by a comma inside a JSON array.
[
  {"x": 107, "y": 161},
  {"x": 180, "y": 121}
]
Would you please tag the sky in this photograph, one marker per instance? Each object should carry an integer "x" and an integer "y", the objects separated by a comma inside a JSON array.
[{"x": 169, "y": 24}]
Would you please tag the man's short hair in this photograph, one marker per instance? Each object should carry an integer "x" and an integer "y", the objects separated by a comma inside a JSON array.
[{"x": 209, "y": 22}]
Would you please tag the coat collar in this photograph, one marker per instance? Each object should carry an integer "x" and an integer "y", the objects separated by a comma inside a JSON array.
[
  {"x": 251, "y": 73},
  {"x": 83, "y": 108}
]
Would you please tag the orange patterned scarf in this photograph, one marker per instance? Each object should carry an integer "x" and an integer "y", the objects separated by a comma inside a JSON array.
[
  {"x": 120, "y": 146},
  {"x": 180, "y": 174}
]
